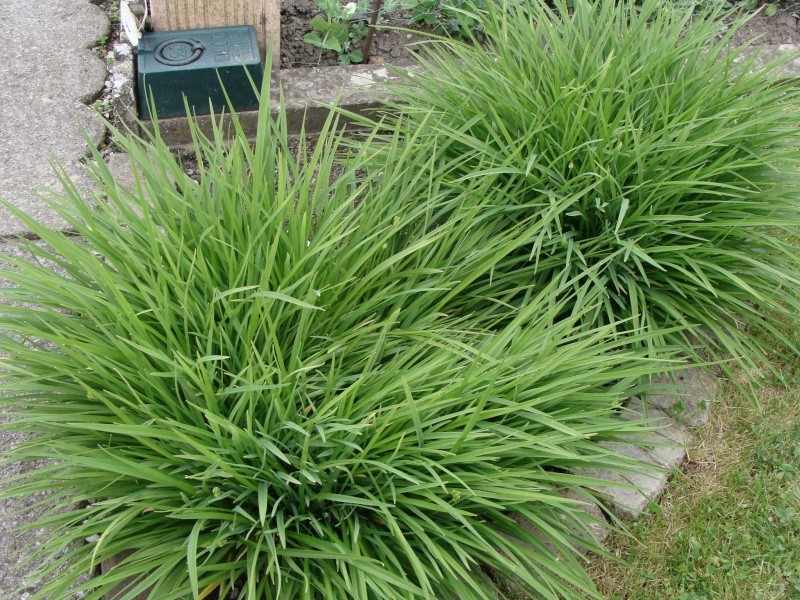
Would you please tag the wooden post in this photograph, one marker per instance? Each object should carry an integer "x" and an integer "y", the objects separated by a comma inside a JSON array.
[{"x": 264, "y": 15}]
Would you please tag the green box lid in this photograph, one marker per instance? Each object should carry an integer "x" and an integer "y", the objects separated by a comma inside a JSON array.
[{"x": 198, "y": 64}]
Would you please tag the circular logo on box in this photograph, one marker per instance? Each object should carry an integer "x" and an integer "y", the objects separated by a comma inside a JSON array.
[{"x": 178, "y": 52}]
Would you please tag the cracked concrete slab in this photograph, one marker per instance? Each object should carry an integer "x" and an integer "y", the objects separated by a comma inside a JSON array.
[
  {"x": 629, "y": 495},
  {"x": 48, "y": 72}
]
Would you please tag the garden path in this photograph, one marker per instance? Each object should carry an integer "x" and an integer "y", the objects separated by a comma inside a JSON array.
[{"x": 48, "y": 74}]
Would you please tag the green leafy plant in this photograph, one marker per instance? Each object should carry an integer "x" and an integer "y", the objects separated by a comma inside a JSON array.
[
  {"x": 451, "y": 17},
  {"x": 243, "y": 379},
  {"x": 422, "y": 11},
  {"x": 332, "y": 30},
  {"x": 101, "y": 44},
  {"x": 650, "y": 164}
]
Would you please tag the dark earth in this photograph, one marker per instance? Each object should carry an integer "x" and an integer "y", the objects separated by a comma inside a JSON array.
[
  {"x": 296, "y": 15},
  {"x": 783, "y": 27}
]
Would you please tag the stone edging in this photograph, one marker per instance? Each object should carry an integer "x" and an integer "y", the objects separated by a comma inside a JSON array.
[
  {"x": 673, "y": 414},
  {"x": 308, "y": 92}
]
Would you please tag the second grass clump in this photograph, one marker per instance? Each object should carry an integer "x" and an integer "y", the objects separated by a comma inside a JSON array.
[{"x": 634, "y": 153}]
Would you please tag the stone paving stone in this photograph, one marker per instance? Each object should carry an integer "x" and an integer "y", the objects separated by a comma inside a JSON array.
[
  {"x": 630, "y": 494},
  {"x": 512, "y": 587},
  {"x": 120, "y": 166},
  {"x": 668, "y": 444},
  {"x": 599, "y": 527},
  {"x": 768, "y": 53},
  {"x": 690, "y": 404},
  {"x": 660, "y": 452},
  {"x": 49, "y": 72},
  {"x": 15, "y": 545}
]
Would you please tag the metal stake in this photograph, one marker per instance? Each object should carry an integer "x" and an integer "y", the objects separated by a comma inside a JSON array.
[{"x": 373, "y": 19}]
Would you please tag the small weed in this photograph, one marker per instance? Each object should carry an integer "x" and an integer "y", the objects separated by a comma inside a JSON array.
[
  {"x": 104, "y": 106},
  {"x": 446, "y": 16},
  {"x": 100, "y": 45},
  {"x": 340, "y": 28}
]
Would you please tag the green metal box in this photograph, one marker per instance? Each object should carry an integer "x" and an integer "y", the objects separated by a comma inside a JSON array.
[{"x": 198, "y": 64}]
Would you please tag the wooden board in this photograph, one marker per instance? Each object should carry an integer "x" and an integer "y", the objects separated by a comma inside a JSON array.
[
  {"x": 122, "y": 587},
  {"x": 264, "y": 15}
]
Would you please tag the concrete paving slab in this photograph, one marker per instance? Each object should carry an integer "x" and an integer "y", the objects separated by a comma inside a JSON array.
[
  {"x": 627, "y": 502},
  {"x": 690, "y": 404},
  {"x": 661, "y": 453},
  {"x": 48, "y": 72},
  {"x": 16, "y": 545},
  {"x": 595, "y": 520},
  {"x": 599, "y": 526},
  {"x": 121, "y": 168},
  {"x": 668, "y": 444},
  {"x": 788, "y": 53}
]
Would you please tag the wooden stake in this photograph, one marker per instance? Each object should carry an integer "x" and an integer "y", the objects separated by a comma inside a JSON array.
[{"x": 264, "y": 15}]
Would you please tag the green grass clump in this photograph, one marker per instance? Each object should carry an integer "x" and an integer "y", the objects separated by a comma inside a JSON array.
[
  {"x": 649, "y": 164},
  {"x": 245, "y": 379}
]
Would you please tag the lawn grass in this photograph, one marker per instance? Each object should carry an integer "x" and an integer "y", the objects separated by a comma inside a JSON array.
[{"x": 728, "y": 527}]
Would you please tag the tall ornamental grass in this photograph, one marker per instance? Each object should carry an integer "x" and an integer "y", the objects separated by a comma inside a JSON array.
[
  {"x": 633, "y": 154},
  {"x": 247, "y": 381}
]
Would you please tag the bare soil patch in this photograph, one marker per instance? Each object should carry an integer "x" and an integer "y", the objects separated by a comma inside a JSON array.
[
  {"x": 781, "y": 28},
  {"x": 387, "y": 45}
]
